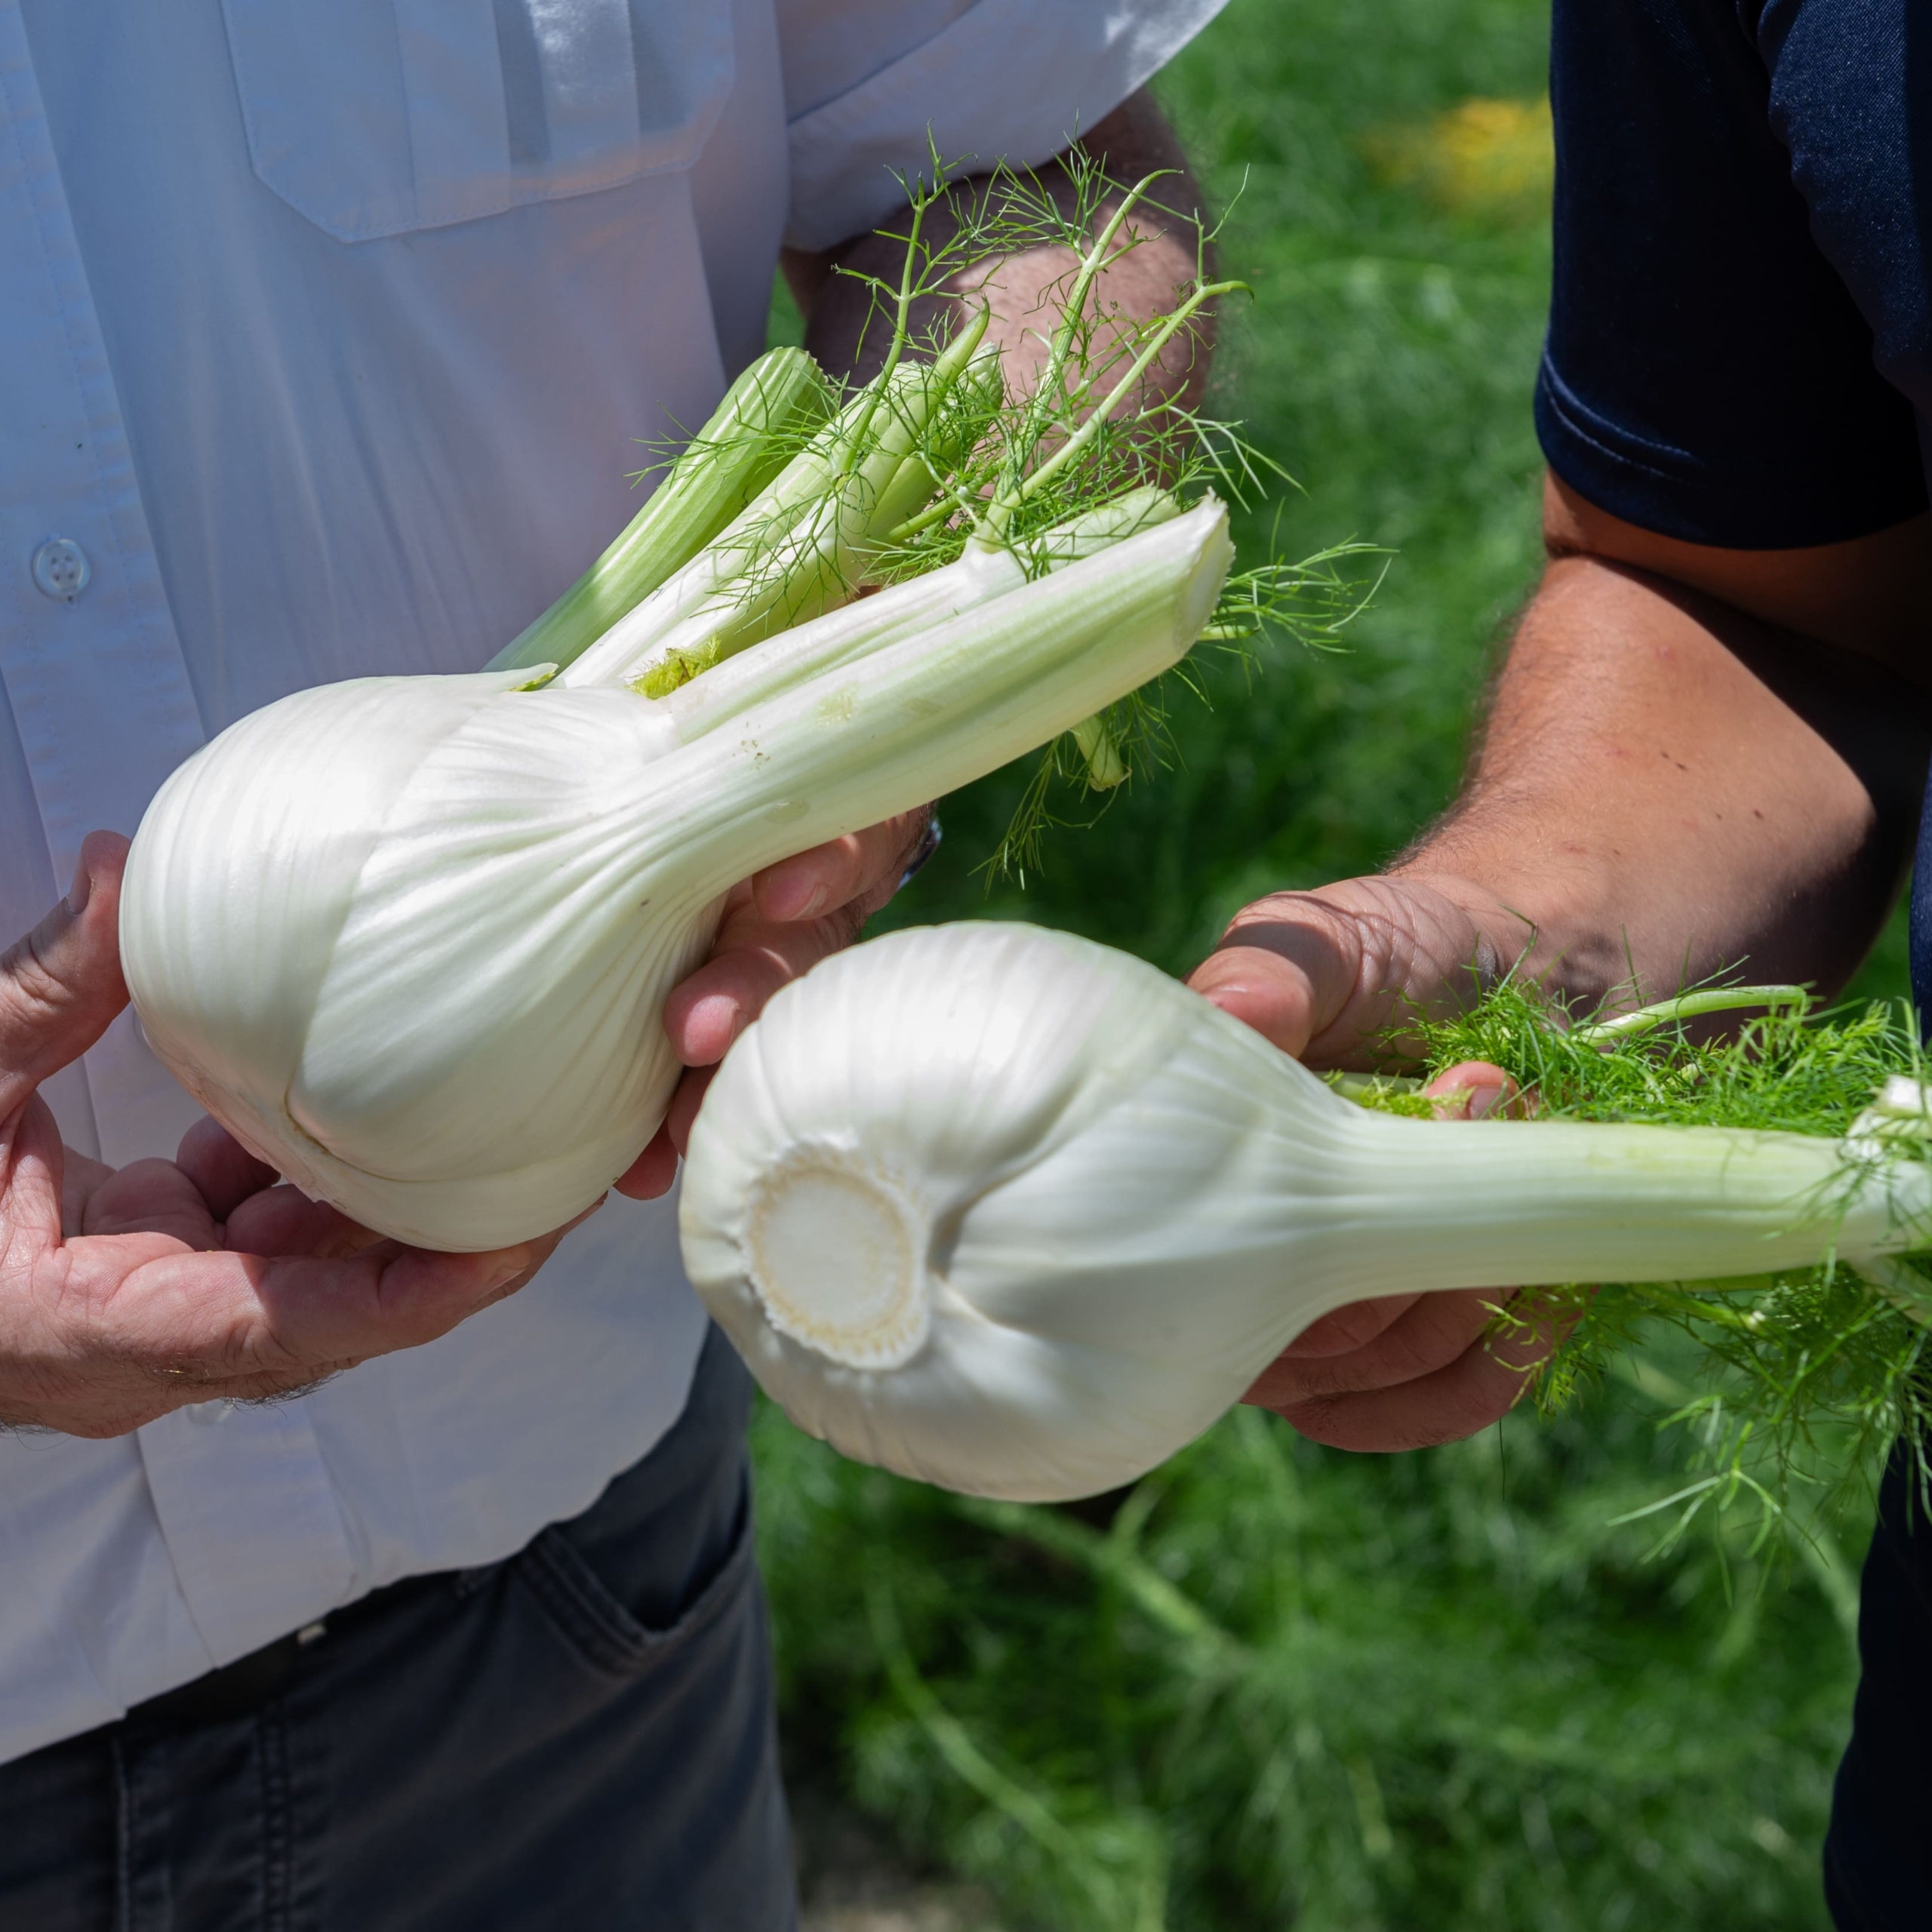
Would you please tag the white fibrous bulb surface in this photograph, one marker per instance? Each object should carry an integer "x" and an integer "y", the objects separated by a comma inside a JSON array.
[
  {"x": 432, "y": 1013},
  {"x": 410, "y": 938},
  {"x": 1008, "y": 1211}
]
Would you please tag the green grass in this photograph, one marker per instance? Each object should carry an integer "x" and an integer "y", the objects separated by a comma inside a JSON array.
[{"x": 1278, "y": 1685}]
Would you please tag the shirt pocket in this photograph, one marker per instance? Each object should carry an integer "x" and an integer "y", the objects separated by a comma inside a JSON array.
[{"x": 380, "y": 117}]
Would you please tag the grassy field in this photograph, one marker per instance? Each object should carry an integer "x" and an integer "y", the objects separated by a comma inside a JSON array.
[{"x": 1274, "y": 1684}]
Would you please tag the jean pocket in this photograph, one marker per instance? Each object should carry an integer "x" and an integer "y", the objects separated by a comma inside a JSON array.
[
  {"x": 379, "y": 117},
  {"x": 602, "y": 1628}
]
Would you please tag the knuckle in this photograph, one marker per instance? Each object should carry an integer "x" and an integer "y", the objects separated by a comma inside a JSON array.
[
  {"x": 34, "y": 999},
  {"x": 191, "y": 1360},
  {"x": 103, "y": 1357},
  {"x": 50, "y": 1397}
]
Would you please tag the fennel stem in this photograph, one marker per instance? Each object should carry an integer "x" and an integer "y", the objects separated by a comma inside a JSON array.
[
  {"x": 748, "y": 440},
  {"x": 929, "y": 458},
  {"x": 1769, "y": 1366}
]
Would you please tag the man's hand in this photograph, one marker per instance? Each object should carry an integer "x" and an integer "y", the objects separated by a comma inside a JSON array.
[
  {"x": 118, "y": 1301},
  {"x": 1023, "y": 289},
  {"x": 1697, "y": 761},
  {"x": 1319, "y": 974},
  {"x": 1408, "y": 1371},
  {"x": 776, "y": 926}
]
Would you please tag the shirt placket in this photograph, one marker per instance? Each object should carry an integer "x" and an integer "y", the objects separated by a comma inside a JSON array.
[
  {"x": 92, "y": 668},
  {"x": 94, "y": 672}
]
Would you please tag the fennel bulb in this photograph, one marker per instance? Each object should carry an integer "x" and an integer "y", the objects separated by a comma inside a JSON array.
[
  {"x": 408, "y": 938},
  {"x": 1011, "y": 1212}
]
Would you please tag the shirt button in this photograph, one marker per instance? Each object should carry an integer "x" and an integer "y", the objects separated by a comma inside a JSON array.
[
  {"x": 61, "y": 569},
  {"x": 207, "y": 1412}
]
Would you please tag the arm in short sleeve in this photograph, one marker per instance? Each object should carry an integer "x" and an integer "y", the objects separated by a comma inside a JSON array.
[
  {"x": 1013, "y": 80},
  {"x": 1707, "y": 374}
]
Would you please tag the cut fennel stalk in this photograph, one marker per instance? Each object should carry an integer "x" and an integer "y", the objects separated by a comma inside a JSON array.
[
  {"x": 1005, "y": 1210},
  {"x": 409, "y": 938},
  {"x": 750, "y": 438},
  {"x": 801, "y": 547}
]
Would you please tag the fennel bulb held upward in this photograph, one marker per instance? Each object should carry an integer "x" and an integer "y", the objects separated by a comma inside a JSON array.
[
  {"x": 1006, "y": 1210},
  {"x": 408, "y": 938}
]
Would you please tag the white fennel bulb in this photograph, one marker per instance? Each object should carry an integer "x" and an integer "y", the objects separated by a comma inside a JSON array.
[
  {"x": 408, "y": 938},
  {"x": 1011, "y": 1212}
]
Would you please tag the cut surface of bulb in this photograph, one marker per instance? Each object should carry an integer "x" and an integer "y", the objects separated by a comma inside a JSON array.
[
  {"x": 837, "y": 1256},
  {"x": 1009, "y": 1211}
]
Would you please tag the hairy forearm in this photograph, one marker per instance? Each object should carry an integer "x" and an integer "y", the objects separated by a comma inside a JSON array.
[
  {"x": 1668, "y": 784},
  {"x": 1667, "y": 787},
  {"x": 1023, "y": 289}
]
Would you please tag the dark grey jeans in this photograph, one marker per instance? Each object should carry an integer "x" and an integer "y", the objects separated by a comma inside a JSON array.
[{"x": 581, "y": 1736}]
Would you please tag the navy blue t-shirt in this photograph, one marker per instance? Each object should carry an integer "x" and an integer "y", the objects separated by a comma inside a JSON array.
[
  {"x": 1740, "y": 333},
  {"x": 1740, "y": 354}
]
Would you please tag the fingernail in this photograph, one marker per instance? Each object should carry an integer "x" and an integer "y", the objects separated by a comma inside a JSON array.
[
  {"x": 81, "y": 891},
  {"x": 709, "y": 1029},
  {"x": 790, "y": 907},
  {"x": 1483, "y": 1101},
  {"x": 502, "y": 1276}
]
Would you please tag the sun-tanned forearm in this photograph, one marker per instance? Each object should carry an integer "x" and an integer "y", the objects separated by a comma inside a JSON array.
[
  {"x": 1667, "y": 789},
  {"x": 1023, "y": 289},
  {"x": 1667, "y": 786},
  {"x": 1694, "y": 759}
]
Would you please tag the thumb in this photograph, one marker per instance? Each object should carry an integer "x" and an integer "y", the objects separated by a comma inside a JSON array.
[
  {"x": 61, "y": 985},
  {"x": 1288, "y": 966}
]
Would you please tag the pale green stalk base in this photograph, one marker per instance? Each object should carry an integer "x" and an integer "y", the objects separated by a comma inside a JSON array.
[
  {"x": 748, "y": 440},
  {"x": 799, "y": 550},
  {"x": 933, "y": 711}
]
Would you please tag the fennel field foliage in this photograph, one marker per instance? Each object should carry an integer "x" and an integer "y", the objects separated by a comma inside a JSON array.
[{"x": 1274, "y": 1685}]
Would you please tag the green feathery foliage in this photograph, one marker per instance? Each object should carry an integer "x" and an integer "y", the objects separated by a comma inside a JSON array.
[
  {"x": 1809, "y": 1375},
  {"x": 985, "y": 462}
]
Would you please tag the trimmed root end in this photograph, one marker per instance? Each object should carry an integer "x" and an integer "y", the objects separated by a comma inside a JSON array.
[{"x": 836, "y": 1255}]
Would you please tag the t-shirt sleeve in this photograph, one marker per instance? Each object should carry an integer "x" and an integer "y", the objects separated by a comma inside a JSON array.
[
  {"x": 865, "y": 80},
  {"x": 1707, "y": 374}
]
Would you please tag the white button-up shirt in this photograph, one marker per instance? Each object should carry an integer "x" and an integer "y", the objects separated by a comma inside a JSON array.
[{"x": 327, "y": 335}]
